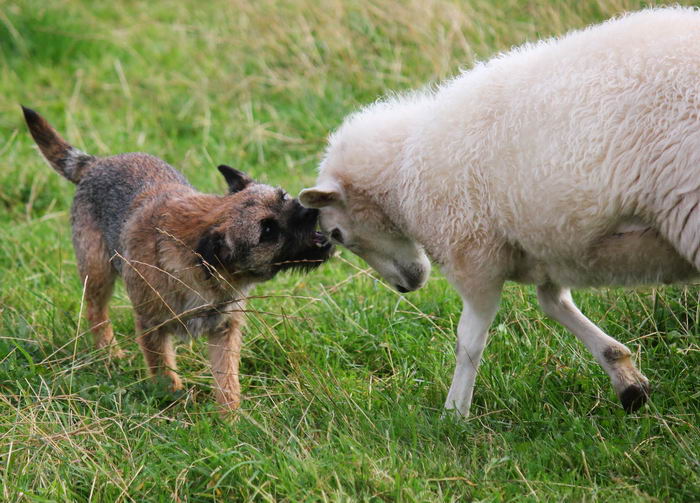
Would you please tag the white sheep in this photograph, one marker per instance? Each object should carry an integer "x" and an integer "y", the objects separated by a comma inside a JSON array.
[{"x": 572, "y": 162}]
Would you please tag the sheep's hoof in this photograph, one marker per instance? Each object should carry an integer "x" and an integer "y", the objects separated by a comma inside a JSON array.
[{"x": 634, "y": 396}]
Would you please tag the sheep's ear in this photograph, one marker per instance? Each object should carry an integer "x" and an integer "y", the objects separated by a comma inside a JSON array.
[
  {"x": 318, "y": 197},
  {"x": 236, "y": 180}
]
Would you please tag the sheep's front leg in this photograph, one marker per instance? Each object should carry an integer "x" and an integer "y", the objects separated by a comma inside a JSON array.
[
  {"x": 225, "y": 356},
  {"x": 472, "y": 333},
  {"x": 630, "y": 385}
]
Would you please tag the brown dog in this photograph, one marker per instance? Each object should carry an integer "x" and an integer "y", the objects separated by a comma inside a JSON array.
[{"x": 188, "y": 259}]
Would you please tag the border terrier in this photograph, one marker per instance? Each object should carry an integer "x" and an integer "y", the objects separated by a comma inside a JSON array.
[{"x": 188, "y": 259}]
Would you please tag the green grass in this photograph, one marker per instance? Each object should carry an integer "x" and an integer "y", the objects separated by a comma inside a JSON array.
[{"x": 344, "y": 379}]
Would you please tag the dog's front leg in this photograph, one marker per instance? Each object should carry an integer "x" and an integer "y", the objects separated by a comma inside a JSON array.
[
  {"x": 159, "y": 353},
  {"x": 478, "y": 313},
  {"x": 225, "y": 356}
]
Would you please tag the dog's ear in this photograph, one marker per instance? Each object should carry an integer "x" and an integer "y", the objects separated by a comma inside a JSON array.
[
  {"x": 211, "y": 251},
  {"x": 236, "y": 180},
  {"x": 318, "y": 197}
]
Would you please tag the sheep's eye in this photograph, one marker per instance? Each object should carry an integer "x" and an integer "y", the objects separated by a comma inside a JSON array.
[
  {"x": 337, "y": 236},
  {"x": 269, "y": 230}
]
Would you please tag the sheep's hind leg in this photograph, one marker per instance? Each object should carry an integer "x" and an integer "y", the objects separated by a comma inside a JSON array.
[{"x": 631, "y": 386}]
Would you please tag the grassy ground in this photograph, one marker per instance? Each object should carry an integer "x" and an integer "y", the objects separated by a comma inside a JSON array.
[{"x": 343, "y": 378}]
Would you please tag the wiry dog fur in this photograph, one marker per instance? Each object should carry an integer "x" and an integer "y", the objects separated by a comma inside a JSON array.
[
  {"x": 188, "y": 259},
  {"x": 568, "y": 163}
]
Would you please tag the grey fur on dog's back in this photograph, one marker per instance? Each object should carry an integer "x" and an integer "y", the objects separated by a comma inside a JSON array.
[{"x": 111, "y": 185}]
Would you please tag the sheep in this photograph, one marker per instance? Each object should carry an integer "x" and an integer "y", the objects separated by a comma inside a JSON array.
[{"x": 568, "y": 163}]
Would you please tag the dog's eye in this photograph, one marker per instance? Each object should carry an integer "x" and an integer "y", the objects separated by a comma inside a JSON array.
[
  {"x": 269, "y": 230},
  {"x": 337, "y": 236}
]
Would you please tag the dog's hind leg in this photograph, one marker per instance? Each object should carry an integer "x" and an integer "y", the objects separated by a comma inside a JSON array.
[
  {"x": 631, "y": 386},
  {"x": 159, "y": 353},
  {"x": 97, "y": 275},
  {"x": 225, "y": 357}
]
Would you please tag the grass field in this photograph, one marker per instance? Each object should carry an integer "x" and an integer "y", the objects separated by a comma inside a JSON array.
[{"x": 343, "y": 378}]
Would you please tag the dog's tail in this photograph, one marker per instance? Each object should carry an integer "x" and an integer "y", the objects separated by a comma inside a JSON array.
[{"x": 67, "y": 160}]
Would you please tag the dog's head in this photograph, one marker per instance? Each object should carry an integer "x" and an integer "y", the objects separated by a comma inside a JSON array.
[
  {"x": 353, "y": 220},
  {"x": 262, "y": 231}
]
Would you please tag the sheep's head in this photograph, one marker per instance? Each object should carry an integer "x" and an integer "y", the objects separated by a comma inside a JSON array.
[{"x": 353, "y": 220}]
